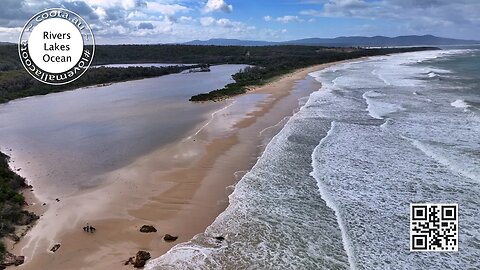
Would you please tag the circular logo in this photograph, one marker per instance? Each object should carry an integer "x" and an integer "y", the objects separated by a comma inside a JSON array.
[{"x": 56, "y": 46}]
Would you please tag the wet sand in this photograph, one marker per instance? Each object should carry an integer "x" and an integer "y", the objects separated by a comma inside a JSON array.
[{"x": 179, "y": 188}]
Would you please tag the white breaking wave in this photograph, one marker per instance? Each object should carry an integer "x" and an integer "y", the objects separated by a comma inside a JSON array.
[
  {"x": 331, "y": 202},
  {"x": 458, "y": 166},
  {"x": 432, "y": 75},
  {"x": 460, "y": 104},
  {"x": 378, "y": 109}
]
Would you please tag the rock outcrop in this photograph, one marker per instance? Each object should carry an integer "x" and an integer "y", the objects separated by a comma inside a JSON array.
[
  {"x": 170, "y": 238},
  {"x": 147, "y": 229},
  {"x": 10, "y": 259},
  {"x": 139, "y": 260}
]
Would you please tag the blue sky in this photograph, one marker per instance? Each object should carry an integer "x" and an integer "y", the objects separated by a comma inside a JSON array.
[{"x": 166, "y": 21}]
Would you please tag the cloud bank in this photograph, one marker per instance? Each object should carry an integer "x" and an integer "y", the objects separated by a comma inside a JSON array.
[{"x": 166, "y": 21}]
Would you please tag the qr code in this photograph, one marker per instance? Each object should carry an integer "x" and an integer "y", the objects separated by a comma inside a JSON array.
[{"x": 434, "y": 227}]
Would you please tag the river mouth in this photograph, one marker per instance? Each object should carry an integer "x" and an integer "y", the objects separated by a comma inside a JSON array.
[{"x": 61, "y": 142}]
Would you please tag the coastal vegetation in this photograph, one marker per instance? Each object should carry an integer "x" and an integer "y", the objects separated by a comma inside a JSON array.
[
  {"x": 9, "y": 59},
  {"x": 11, "y": 202}
]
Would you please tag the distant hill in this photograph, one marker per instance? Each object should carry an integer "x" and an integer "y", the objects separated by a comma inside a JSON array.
[
  {"x": 383, "y": 41},
  {"x": 376, "y": 41},
  {"x": 6, "y": 43},
  {"x": 230, "y": 42}
]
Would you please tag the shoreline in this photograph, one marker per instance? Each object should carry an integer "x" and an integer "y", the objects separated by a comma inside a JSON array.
[{"x": 181, "y": 201}]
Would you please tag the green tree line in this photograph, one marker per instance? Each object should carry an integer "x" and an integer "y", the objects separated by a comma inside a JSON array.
[{"x": 11, "y": 202}]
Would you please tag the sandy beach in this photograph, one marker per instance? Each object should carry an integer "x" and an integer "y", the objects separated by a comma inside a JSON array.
[{"x": 179, "y": 189}]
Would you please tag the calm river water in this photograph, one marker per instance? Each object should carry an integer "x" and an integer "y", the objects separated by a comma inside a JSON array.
[{"x": 61, "y": 141}]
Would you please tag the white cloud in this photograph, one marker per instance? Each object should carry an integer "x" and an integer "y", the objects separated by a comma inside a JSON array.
[
  {"x": 289, "y": 19},
  {"x": 439, "y": 17},
  {"x": 141, "y": 21},
  {"x": 406, "y": 11},
  {"x": 101, "y": 13},
  {"x": 156, "y": 30},
  {"x": 217, "y": 5},
  {"x": 207, "y": 21},
  {"x": 284, "y": 19},
  {"x": 226, "y": 23},
  {"x": 135, "y": 15},
  {"x": 185, "y": 19},
  {"x": 126, "y": 4},
  {"x": 166, "y": 9}
]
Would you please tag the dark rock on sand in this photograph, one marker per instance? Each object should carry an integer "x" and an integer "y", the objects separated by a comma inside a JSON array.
[
  {"x": 147, "y": 229},
  {"x": 220, "y": 238},
  {"x": 11, "y": 259},
  {"x": 170, "y": 238},
  {"x": 130, "y": 260},
  {"x": 55, "y": 248},
  {"x": 139, "y": 260}
]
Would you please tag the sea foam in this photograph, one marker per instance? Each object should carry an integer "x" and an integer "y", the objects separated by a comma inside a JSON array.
[{"x": 460, "y": 104}]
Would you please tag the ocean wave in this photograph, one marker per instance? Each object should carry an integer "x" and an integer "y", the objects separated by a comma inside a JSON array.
[
  {"x": 459, "y": 103},
  {"x": 459, "y": 164},
  {"x": 378, "y": 109},
  {"x": 433, "y": 75},
  {"x": 326, "y": 196}
]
